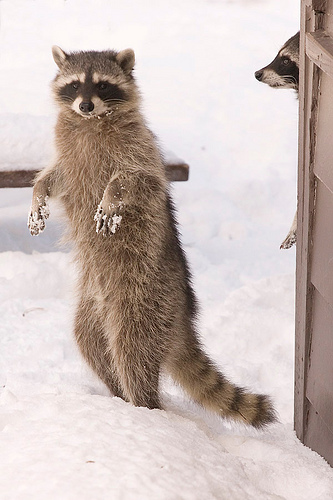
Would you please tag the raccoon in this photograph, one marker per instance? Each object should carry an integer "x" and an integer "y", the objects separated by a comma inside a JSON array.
[
  {"x": 136, "y": 311},
  {"x": 283, "y": 73}
]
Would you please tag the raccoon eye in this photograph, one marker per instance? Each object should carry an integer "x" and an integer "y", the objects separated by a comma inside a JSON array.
[
  {"x": 285, "y": 61},
  {"x": 75, "y": 85},
  {"x": 102, "y": 86}
]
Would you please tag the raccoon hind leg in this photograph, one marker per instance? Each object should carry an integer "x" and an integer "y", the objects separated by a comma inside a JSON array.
[
  {"x": 93, "y": 346},
  {"x": 136, "y": 345},
  {"x": 138, "y": 371}
]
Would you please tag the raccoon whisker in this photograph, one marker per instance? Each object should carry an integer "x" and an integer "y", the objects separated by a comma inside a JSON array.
[
  {"x": 66, "y": 98},
  {"x": 113, "y": 100},
  {"x": 289, "y": 78}
]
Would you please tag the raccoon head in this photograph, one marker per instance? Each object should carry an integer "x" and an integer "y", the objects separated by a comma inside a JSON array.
[
  {"x": 94, "y": 84},
  {"x": 283, "y": 71}
]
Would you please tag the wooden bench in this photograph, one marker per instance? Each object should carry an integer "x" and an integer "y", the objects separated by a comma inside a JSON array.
[{"x": 176, "y": 169}]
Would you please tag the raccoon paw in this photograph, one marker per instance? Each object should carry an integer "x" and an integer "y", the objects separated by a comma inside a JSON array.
[
  {"x": 289, "y": 241},
  {"x": 106, "y": 223},
  {"x": 38, "y": 216}
]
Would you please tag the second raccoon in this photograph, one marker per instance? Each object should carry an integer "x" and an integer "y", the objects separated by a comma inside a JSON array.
[{"x": 283, "y": 73}]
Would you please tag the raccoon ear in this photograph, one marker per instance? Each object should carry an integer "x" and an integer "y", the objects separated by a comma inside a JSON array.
[
  {"x": 126, "y": 60},
  {"x": 59, "y": 55}
]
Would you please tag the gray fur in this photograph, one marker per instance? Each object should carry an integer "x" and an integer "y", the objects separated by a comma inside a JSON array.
[{"x": 136, "y": 311}]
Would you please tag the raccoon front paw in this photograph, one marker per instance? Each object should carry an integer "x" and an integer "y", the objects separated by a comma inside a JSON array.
[
  {"x": 107, "y": 222},
  {"x": 37, "y": 217},
  {"x": 289, "y": 241}
]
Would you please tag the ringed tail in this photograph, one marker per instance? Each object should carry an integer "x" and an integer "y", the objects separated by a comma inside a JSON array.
[{"x": 207, "y": 386}]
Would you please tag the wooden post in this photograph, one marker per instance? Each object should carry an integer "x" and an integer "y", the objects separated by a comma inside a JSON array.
[
  {"x": 308, "y": 103},
  {"x": 314, "y": 256}
]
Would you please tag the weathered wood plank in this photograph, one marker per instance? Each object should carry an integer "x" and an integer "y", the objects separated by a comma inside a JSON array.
[
  {"x": 319, "y": 48},
  {"x": 177, "y": 171},
  {"x": 319, "y": 6},
  {"x": 314, "y": 267},
  {"x": 322, "y": 263},
  {"x": 317, "y": 435},
  {"x": 17, "y": 178},
  {"x": 319, "y": 390},
  {"x": 324, "y": 153},
  {"x": 24, "y": 178},
  {"x": 310, "y": 76}
]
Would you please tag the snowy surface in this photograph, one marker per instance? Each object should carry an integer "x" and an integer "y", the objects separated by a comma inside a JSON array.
[{"x": 61, "y": 434}]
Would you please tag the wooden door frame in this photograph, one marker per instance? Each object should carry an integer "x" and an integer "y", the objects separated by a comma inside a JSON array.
[{"x": 316, "y": 56}]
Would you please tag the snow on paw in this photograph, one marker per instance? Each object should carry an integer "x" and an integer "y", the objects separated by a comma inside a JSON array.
[
  {"x": 114, "y": 223},
  {"x": 38, "y": 216},
  {"x": 106, "y": 223}
]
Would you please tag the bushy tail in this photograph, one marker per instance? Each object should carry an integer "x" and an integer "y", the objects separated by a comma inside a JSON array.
[{"x": 197, "y": 374}]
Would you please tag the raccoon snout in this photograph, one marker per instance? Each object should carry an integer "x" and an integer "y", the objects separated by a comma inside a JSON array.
[
  {"x": 258, "y": 75},
  {"x": 86, "y": 107}
]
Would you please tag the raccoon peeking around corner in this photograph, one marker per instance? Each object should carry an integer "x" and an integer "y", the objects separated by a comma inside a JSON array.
[
  {"x": 136, "y": 310},
  {"x": 283, "y": 71}
]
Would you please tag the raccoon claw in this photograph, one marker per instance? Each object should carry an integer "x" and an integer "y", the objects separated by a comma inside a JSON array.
[
  {"x": 289, "y": 241},
  {"x": 37, "y": 218},
  {"x": 106, "y": 223}
]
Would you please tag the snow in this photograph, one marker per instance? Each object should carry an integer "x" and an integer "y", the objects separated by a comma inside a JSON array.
[{"x": 61, "y": 434}]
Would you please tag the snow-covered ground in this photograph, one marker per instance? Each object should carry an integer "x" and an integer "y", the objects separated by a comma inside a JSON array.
[{"x": 62, "y": 435}]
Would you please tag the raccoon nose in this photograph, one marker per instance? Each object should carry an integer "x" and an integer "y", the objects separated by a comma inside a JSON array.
[
  {"x": 86, "y": 107},
  {"x": 258, "y": 74}
]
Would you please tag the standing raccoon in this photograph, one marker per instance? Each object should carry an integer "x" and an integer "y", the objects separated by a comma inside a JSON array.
[{"x": 136, "y": 312}]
